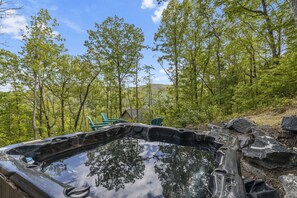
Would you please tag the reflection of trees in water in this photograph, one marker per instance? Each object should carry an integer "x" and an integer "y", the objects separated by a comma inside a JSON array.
[
  {"x": 183, "y": 171},
  {"x": 116, "y": 164}
]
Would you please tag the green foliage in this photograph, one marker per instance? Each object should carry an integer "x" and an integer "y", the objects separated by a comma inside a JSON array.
[
  {"x": 3, "y": 140},
  {"x": 119, "y": 44},
  {"x": 244, "y": 98},
  {"x": 230, "y": 57},
  {"x": 280, "y": 81},
  {"x": 14, "y": 117},
  {"x": 223, "y": 58},
  {"x": 169, "y": 40}
]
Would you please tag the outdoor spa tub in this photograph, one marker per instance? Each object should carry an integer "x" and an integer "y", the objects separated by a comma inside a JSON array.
[{"x": 123, "y": 160}]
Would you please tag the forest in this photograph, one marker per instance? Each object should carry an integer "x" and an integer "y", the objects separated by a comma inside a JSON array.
[{"x": 222, "y": 57}]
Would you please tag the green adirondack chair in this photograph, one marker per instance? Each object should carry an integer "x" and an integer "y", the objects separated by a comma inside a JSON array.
[
  {"x": 96, "y": 126},
  {"x": 157, "y": 121},
  {"x": 111, "y": 120}
]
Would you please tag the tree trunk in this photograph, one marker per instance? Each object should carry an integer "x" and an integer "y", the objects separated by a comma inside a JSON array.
[
  {"x": 254, "y": 62},
  {"x": 111, "y": 105},
  {"x": 62, "y": 114},
  {"x": 219, "y": 76},
  {"x": 82, "y": 120},
  {"x": 279, "y": 40},
  {"x": 18, "y": 114},
  {"x": 40, "y": 107},
  {"x": 34, "y": 106},
  {"x": 176, "y": 69},
  {"x": 80, "y": 109},
  {"x": 136, "y": 96},
  {"x": 120, "y": 95},
  {"x": 176, "y": 77},
  {"x": 150, "y": 98},
  {"x": 48, "y": 126},
  {"x": 272, "y": 44},
  {"x": 195, "y": 72},
  {"x": 107, "y": 101},
  {"x": 294, "y": 9},
  {"x": 251, "y": 71},
  {"x": 47, "y": 121},
  {"x": 82, "y": 103},
  {"x": 202, "y": 77}
]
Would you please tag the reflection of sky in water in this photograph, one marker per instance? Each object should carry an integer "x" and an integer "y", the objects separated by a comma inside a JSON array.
[{"x": 136, "y": 168}]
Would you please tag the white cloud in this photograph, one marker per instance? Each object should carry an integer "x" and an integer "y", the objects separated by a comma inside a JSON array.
[
  {"x": 72, "y": 25},
  {"x": 165, "y": 71},
  {"x": 148, "y": 4},
  {"x": 13, "y": 24},
  {"x": 158, "y": 12},
  {"x": 161, "y": 78},
  {"x": 162, "y": 71},
  {"x": 56, "y": 33},
  {"x": 53, "y": 8}
]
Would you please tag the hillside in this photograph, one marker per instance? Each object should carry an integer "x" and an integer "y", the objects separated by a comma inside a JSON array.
[
  {"x": 272, "y": 118},
  {"x": 155, "y": 87}
]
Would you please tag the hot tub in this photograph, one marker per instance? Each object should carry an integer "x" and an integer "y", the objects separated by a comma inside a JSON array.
[{"x": 124, "y": 160}]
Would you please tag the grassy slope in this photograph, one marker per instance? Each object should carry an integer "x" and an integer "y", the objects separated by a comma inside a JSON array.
[{"x": 272, "y": 118}]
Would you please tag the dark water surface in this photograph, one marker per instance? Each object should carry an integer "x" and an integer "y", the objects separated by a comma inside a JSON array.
[{"x": 136, "y": 168}]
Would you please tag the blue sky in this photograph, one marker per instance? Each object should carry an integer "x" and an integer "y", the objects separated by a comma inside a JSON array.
[{"x": 77, "y": 16}]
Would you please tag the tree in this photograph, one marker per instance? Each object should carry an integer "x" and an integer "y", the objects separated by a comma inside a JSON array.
[
  {"x": 294, "y": 9},
  {"x": 270, "y": 17},
  {"x": 197, "y": 51},
  {"x": 148, "y": 81},
  {"x": 169, "y": 40},
  {"x": 136, "y": 82},
  {"x": 42, "y": 46},
  {"x": 86, "y": 73},
  {"x": 120, "y": 44},
  {"x": 59, "y": 82},
  {"x": 13, "y": 108}
]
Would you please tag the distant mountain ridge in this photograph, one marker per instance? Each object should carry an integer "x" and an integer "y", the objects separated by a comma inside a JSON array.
[{"x": 155, "y": 87}]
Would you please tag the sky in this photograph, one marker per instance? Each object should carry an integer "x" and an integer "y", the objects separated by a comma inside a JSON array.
[{"x": 75, "y": 17}]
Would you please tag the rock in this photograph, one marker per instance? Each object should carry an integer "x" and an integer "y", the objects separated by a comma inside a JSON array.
[
  {"x": 287, "y": 135},
  {"x": 289, "y": 183},
  {"x": 289, "y": 123},
  {"x": 258, "y": 188},
  {"x": 223, "y": 135},
  {"x": 269, "y": 153},
  {"x": 212, "y": 126},
  {"x": 225, "y": 181},
  {"x": 263, "y": 130},
  {"x": 241, "y": 125},
  {"x": 220, "y": 136},
  {"x": 245, "y": 140},
  {"x": 245, "y": 166}
]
